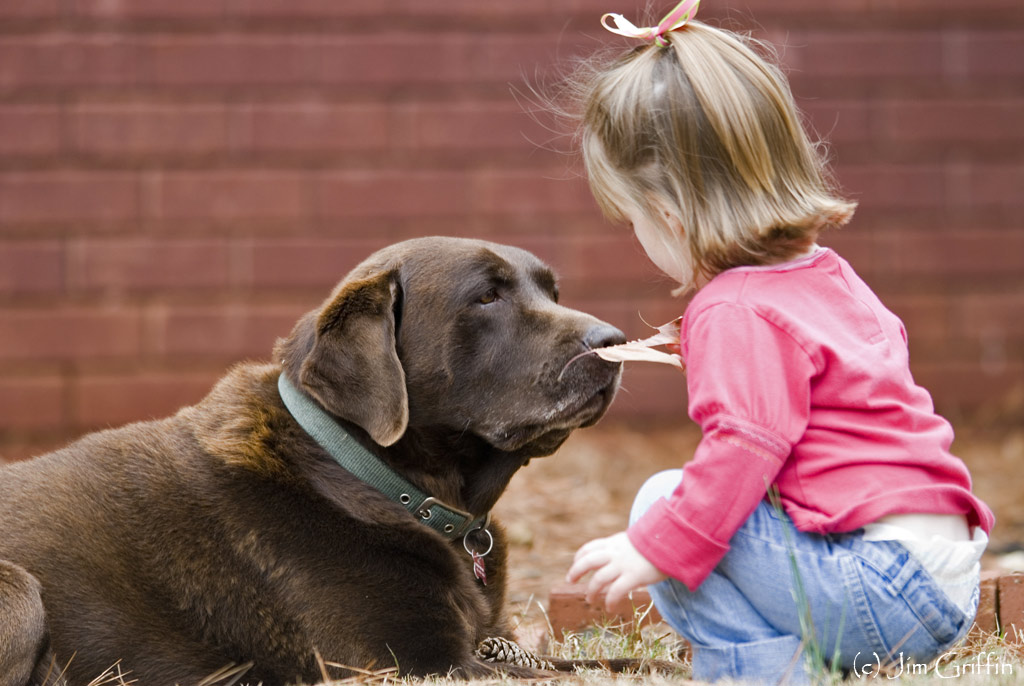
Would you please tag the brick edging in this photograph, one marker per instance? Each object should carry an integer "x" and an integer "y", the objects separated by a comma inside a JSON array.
[
  {"x": 1002, "y": 605},
  {"x": 568, "y": 609},
  {"x": 1000, "y": 608}
]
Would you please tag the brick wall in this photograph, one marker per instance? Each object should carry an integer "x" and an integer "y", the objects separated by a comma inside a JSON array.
[{"x": 179, "y": 179}]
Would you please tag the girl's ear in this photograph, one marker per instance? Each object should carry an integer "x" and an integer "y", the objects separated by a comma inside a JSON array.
[
  {"x": 667, "y": 213},
  {"x": 674, "y": 244}
]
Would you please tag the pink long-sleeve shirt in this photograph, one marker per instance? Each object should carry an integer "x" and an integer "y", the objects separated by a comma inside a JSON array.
[{"x": 799, "y": 378}]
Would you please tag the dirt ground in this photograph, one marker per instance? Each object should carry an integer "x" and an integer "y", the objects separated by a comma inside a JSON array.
[{"x": 584, "y": 491}]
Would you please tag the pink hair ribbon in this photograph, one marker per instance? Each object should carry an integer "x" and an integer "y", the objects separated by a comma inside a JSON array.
[{"x": 676, "y": 18}]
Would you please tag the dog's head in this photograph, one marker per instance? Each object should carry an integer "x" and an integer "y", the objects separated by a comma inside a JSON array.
[{"x": 457, "y": 334}]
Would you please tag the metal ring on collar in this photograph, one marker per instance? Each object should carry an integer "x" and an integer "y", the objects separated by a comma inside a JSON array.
[{"x": 490, "y": 546}]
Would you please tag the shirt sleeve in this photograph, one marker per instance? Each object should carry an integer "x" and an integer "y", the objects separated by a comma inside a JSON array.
[{"x": 749, "y": 390}]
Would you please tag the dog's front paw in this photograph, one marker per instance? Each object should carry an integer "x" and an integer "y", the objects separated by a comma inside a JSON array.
[{"x": 503, "y": 651}]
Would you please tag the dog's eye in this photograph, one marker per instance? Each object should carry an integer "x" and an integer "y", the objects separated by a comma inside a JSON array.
[{"x": 488, "y": 297}]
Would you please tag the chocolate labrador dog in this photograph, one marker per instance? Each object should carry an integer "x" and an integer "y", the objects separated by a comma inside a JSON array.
[{"x": 329, "y": 508}]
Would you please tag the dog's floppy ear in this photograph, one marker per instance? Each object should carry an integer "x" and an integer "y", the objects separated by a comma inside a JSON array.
[{"x": 344, "y": 356}]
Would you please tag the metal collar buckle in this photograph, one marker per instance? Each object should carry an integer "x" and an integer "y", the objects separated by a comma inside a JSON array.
[{"x": 424, "y": 512}]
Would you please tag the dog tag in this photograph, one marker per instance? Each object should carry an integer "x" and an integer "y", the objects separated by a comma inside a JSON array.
[{"x": 479, "y": 571}]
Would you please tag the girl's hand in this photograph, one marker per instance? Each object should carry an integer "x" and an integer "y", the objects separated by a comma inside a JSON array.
[{"x": 618, "y": 568}]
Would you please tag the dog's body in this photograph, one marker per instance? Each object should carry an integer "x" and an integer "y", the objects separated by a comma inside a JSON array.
[{"x": 227, "y": 535}]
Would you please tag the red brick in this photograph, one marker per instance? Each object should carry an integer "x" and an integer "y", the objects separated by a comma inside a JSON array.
[
  {"x": 66, "y": 59},
  {"x": 958, "y": 386},
  {"x": 987, "y": 311},
  {"x": 224, "y": 333},
  {"x": 892, "y": 186},
  {"x": 304, "y": 9},
  {"x": 306, "y": 263},
  {"x": 107, "y": 59},
  {"x": 232, "y": 60},
  {"x": 59, "y": 196},
  {"x": 310, "y": 127},
  {"x": 857, "y": 246},
  {"x": 441, "y": 57},
  {"x": 139, "y": 129},
  {"x": 986, "y": 621},
  {"x": 395, "y": 58},
  {"x": 653, "y": 393},
  {"x": 931, "y": 8},
  {"x": 68, "y": 333},
  {"x": 393, "y": 193},
  {"x": 957, "y": 253},
  {"x": 996, "y": 185},
  {"x": 414, "y": 193},
  {"x": 994, "y": 53},
  {"x": 470, "y": 125},
  {"x": 228, "y": 195},
  {"x": 101, "y": 401},
  {"x": 926, "y": 316},
  {"x": 530, "y": 192},
  {"x": 876, "y": 54},
  {"x": 147, "y": 264},
  {"x": 992, "y": 352},
  {"x": 528, "y": 56},
  {"x": 838, "y": 121},
  {"x": 31, "y": 403},
  {"x": 569, "y": 611},
  {"x": 37, "y": 9},
  {"x": 29, "y": 130},
  {"x": 610, "y": 255},
  {"x": 759, "y": 8},
  {"x": 27, "y": 62},
  {"x": 147, "y": 9},
  {"x": 24, "y": 447},
  {"x": 1011, "y": 607},
  {"x": 490, "y": 10},
  {"x": 104, "y": 60},
  {"x": 31, "y": 267},
  {"x": 947, "y": 121}
]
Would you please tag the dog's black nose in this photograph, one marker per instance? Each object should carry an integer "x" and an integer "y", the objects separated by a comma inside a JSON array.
[{"x": 603, "y": 335}]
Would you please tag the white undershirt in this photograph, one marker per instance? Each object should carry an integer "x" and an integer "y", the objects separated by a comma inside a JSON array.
[{"x": 944, "y": 547}]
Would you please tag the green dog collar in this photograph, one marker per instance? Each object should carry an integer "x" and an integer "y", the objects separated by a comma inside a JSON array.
[{"x": 448, "y": 521}]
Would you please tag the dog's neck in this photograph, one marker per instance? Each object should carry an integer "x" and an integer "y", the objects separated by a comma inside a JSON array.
[
  {"x": 450, "y": 493},
  {"x": 461, "y": 468}
]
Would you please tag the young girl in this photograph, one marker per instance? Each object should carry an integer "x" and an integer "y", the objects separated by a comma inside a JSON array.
[{"x": 797, "y": 375}]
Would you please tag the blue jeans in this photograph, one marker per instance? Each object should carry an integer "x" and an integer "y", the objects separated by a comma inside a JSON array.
[{"x": 869, "y": 602}]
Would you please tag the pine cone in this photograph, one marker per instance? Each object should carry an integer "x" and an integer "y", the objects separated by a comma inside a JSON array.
[{"x": 502, "y": 650}]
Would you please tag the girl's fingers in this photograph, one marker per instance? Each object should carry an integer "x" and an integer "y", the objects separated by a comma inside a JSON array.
[
  {"x": 581, "y": 567},
  {"x": 587, "y": 559},
  {"x": 602, "y": 579},
  {"x": 618, "y": 591},
  {"x": 590, "y": 546},
  {"x": 617, "y": 566},
  {"x": 584, "y": 566},
  {"x": 575, "y": 573},
  {"x": 598, "y": 585}
]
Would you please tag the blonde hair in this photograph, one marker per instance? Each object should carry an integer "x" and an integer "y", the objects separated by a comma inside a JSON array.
[{"x": 706, "y": 130}]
